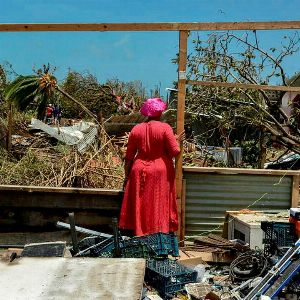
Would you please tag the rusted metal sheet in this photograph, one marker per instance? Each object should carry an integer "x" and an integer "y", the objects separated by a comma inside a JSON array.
[{"x": 210, "y": 195}]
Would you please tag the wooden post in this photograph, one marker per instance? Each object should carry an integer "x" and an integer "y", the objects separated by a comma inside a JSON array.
[
  {"x": 295, "y": 191},
  {"x": 73, "y": 233},
  {"x": 182, "y": 227},
  {"x": 183, "y": 35}
]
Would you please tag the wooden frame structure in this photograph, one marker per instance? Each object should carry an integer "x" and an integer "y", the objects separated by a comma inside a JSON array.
[{"x": 183, "y": 29}]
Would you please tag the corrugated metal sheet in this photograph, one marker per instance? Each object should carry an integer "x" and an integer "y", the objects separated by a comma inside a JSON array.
[
  {"x": 124, "y": 123},
  {"x": 210, "y": 195}
]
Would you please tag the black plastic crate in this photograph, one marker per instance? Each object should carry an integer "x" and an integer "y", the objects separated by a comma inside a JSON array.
[
  {"x": 104, "y": 248},
  {"x": 168, "y": 276},
  {"x": 277, "y": 235},
  {"x": 162, "y": 244},
  {"x": 137, "y": 250},
  {"x": 90, "y": 241}
]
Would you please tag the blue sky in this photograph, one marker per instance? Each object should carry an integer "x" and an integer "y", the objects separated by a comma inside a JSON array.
[{"x": 144, "y": 56}]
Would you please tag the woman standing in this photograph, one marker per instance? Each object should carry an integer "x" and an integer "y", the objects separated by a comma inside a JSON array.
[{"x": 149, "y": 204}]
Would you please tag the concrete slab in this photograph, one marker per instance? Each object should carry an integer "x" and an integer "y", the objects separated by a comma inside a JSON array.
[{"x": 59, "y": 278}]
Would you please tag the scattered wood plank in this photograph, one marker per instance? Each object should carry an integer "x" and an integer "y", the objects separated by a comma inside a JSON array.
[
  {"x": 52, "y": 249},
  {"x": 209, "y": 257}
]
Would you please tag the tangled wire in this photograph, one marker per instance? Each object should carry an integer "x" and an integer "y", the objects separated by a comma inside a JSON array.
[{"x": 248, "y": 265}]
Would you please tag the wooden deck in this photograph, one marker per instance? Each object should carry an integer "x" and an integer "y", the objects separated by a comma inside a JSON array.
[{"x": 29, "y": 213}]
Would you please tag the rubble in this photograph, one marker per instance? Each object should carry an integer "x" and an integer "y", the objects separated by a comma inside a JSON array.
[
  {"x": 80, "y": 135},
  {"x": 173, "y": 274}
]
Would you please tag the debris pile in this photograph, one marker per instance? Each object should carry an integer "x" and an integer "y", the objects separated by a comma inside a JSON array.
[
  {"x": 40, "y": 160},
  {"x": 191, "y": 272}
]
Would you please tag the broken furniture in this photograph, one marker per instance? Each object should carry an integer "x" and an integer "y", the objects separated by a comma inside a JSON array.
[{"x": 247, "y": 226}]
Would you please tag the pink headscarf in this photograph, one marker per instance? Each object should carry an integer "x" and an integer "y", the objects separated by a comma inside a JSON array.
[{"x": 153, "y": 107}]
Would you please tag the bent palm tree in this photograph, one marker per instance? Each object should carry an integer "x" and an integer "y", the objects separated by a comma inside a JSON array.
[{"x": 37, "y": 90}]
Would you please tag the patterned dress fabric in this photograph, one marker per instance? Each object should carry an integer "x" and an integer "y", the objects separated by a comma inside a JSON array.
[{"x": 149, "y": 204}]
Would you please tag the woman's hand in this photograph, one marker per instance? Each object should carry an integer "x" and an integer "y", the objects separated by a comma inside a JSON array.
[{"x": 180, "y": 137}]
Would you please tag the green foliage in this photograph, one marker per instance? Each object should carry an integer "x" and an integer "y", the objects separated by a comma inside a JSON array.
[
  {"x": 100, "y": 98},
  {"x": 250, "y": 152},
  {"x": 26, "y": 170},
  {"x": 86, "y": 89},
  {"x": 3, "y": 83},
  {"x": 239, "y": 58},
  {"x": 32, "y": 91},
  {"x": 63, "y": 149}
]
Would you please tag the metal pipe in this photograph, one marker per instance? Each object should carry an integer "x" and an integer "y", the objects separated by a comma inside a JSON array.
[{"x": 82, "y": 230}]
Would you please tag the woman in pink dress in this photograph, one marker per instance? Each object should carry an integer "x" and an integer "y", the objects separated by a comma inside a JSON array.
[{"x": 149, "y": 204}]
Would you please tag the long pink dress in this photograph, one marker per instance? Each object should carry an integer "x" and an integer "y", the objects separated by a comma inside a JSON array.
[{"x": 149, "y": 204}]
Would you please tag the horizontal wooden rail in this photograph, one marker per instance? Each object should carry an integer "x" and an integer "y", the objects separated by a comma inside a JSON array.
[
  {"x": 241, "y": 171},
  {"x": 245, "y": 86},
  {"x": 34, "y": 208},
  {"x": 61, "y": 198},
  {"x": 213, "y": 26}
]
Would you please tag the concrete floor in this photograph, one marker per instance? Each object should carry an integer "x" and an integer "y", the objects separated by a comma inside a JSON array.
[{"x": 72, "y": 278}]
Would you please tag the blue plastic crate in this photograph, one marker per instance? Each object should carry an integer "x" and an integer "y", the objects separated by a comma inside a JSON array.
[
  {"x": 160, "y": 243},
  {"x": 137, "y": 250},
  {"x": 277, "y": 235},
  {"x": 90, "y": 241},
  {"x": 167, "y": 276},
  {"x": 104, "y": 248}
]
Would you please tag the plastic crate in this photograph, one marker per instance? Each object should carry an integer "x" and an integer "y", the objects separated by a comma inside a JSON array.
[
  {"x": 277, "y": 235},
  {"x": 162, "y": 244},
  {"x": 167, "y": 276},
  {"x": 138, "y": 250},
  {"x": 90, "y": 241},
  {"x": 104, "y": 248}
]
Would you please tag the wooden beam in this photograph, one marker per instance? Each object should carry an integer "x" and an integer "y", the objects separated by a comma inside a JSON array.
[
  {"x": 60, "y": 198},
  {"x": 295, "y": 192},
  {"x": 240, "y": 171},
  {"x": 60, "y": 190},
  {"x": 213, "y": 26},
  {"x": 245, "y": 86},
  {"x": 183, "y": 36}
]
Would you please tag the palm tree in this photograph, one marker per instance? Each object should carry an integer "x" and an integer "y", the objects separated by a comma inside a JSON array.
[{"x": 37, "y": 90}]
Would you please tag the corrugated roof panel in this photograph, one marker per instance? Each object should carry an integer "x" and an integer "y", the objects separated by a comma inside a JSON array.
[{"x": 210, "y": 195}]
